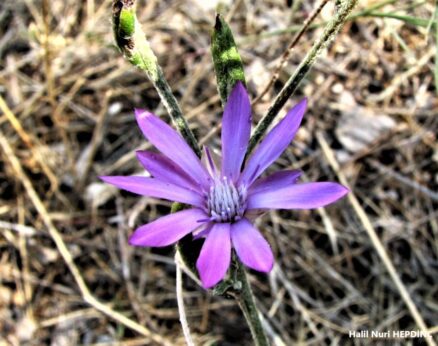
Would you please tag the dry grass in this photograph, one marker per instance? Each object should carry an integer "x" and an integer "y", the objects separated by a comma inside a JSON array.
[{"x": 67, "y": 275}]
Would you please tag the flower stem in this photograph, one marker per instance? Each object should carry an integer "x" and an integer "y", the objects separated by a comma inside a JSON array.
[
  {"x": 344, "y": 9},
  {"x": 229, "y": 70},
  {"x": 245, "y": 298},
  {"x": 134, "y": 45}
]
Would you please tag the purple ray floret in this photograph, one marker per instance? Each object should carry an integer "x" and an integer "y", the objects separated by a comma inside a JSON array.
[{"x": 224, "y": 200}]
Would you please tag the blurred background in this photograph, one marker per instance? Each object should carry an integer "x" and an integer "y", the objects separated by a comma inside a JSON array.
[{"x": 66, "y": 117}]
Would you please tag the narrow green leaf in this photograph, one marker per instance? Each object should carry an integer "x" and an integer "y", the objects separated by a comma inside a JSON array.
[{"x": 226, "y": 59}]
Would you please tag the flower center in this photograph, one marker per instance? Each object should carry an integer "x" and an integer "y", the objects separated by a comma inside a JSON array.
[{"x": 225, "y": 202}]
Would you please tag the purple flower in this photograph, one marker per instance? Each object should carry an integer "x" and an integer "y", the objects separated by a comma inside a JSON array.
[{"x": 224, "y": 200}]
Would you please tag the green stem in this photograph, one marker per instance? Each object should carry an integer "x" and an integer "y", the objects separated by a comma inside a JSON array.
[
  {"x": 134, "y": 45},
  {"x": 291, "y": 85},
  {"x": 245, "y": 298}
]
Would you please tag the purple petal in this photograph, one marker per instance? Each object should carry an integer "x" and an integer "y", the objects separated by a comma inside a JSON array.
[
  {"x": 236, "y": 128},
  {"x": 164, "y": 169},
  {"x": 167, "y": 229},
  {"x": 202, "y": 231},
  {"x": 298, "y": 196},
  {"x": 210, "y": 160},
  {"x": 275, "y": 142},
  {"x": 155, "y": 188},
  {"x": 171, "y": 144},
  {"x": 252, "y": 249},
  {"x": 274, "y": 181},
  {"x": 215, "y": 256}
]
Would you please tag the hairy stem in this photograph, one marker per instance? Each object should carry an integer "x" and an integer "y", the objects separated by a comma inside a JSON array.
[
  {"x": 332, "y": 28},
  {"x": 134, "y": 45},
  {"x": 245, "y": 298}
]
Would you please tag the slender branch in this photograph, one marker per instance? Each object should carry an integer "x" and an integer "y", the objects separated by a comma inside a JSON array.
[
  {"x": 134, "y": 45},
  {"x": 291, "y": 85}
]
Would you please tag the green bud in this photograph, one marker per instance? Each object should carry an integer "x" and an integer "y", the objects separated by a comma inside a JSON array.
[
  {"x": 131, "y": 39},
  {"x": 226, "y": 59}
]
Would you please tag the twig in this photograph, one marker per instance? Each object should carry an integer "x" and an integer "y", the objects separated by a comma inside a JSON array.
[
  {"x": 436, "y": 45},
  {"x": 51, "y": 93},
  {"x": 291, "y": 85},
  {"x": 279, "y": 275},
  {"x": 81, "y": 314},
  {"x": 125, "y": 255},
  {"x": 47, "y": 55},
  {"x": 287, "y": 52},
  {"x": 180, "y": 301},
  {"x": 21, "y": 229},
  {"x": 65, "y": 253},
  {"x": 276, "y": 339},
  {"x": 29, "y": 142},
  {"x": 413, "y": 184},
  {"x": 22, "y": 245},
  {"x": 403, "y": 77},
  {"x": 328, "y": 153},
  {"x": 96, "y": 140}
]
